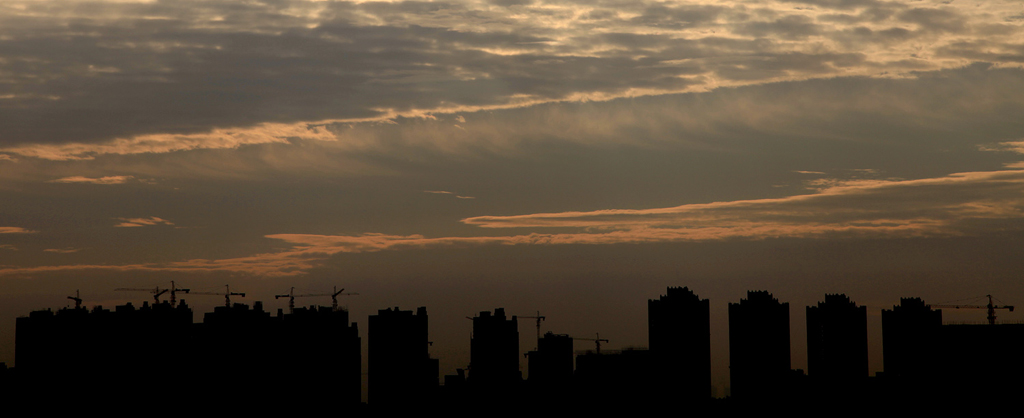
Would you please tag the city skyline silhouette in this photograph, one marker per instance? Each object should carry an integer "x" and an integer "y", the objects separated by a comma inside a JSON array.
[
  {"x": 566, "y": 159},
  {"x": 405, "y": 377}
]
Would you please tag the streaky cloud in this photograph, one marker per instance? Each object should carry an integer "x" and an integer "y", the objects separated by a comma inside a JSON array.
[
  {"x": 98, "y": 180},
  {"x": 138, "y": 222},
  {"x": 148, "y": 69},
  {"x": 62, "y": 250},
  {"x": 959, "y": 204},
  {"x": 15, "y": 230},
  {"x": 924, "y": 205}
]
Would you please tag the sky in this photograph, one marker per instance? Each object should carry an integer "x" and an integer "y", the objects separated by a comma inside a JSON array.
[{"x": 569, "y": 157}]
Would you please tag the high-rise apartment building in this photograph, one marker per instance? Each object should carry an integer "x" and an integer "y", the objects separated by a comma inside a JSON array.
[
  {"x": 401, "y": 371},
  {"x": 837, "y": 340},
  {"x": 679, "y": 325},
  {"x": 759, "y": 347}
]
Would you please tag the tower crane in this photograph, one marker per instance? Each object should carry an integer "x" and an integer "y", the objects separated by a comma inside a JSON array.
[
  {"x": 157, "y": 292},
  {"x": 539, "y": 318},
  {"x": 227, "y": 295},
  {"x": 597, "y": 342},
  {"x": 334, "y": 297},
  {"x": 77, "y": 298},
  {"x": 991, "y": 308}
]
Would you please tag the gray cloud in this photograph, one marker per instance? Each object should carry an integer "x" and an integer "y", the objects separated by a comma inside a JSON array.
[
  {"x": 935, "y": 19},
  {"x": 792, "y": 27},
  {"x": 907, "y": 116},
  {"x": 88, "y": 72}
]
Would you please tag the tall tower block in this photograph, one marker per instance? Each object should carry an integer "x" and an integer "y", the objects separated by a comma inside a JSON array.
[
  {"x": 759, "y": 348},
  {"x": 837, "y": 340},
  {"x": 401, "y": 372},
  {"x": 679, "y": 325},
  {"x": 494, "y": 351}
]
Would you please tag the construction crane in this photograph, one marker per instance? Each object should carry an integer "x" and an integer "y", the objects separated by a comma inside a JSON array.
[
  {"x": 334, "y": 297},
  {"x": 597, "y": 342},
  {"x": 991, "y": 308},
  {"x": 77, "y": 298},
  {"x": 539, "y": 318},
  {"x": 227, "y": 295},
  {"x": 157, "y": 292}
]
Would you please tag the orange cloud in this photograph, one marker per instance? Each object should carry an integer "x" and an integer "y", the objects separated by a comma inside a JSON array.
[
  {"x": 137, "y": 222},
  {"x": 61, "y": 250},
  {"x": 944, "y": 206},
  {"x": 100, "y": 180},
  {"x": 844, "y": 205},
  {"x": 15, "y": 230}
]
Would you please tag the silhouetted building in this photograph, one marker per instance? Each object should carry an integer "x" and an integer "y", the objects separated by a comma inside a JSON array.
[
  {"x": 494, "y": 351},
  {"x": 908, "y": 338},
  {"x": 401, "y": 373},
  {"x": 679, "y": 326},
  {"x": 227, "y": 344},
  {"x": 837, "y": 340},
  {"x": 321, "y": 353},
  {"x": 619, "y": 378},
  {"x": 236, "y": 354},
  {"x": 108, "y": 348},
  {"x": 759, "y": 352},
  {"x": 551, "y": 365}
]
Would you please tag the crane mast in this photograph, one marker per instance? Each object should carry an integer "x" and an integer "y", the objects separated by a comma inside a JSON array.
[
  {"x": 597, "y": 342},
  {"x": 334, "y": 297},
  {"x": 157, "y": 292},
  {"x": 991, "y": 307},
  {"x": 227, "y": 294}
]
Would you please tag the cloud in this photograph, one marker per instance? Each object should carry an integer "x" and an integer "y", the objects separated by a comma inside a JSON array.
[
  {"x": 945, "y": 206},
  {"x": 62, "y": 250},
  {"x": 8, "y": 247},
  {"x": 15, "y": 230},
  {"x": 137, "y": 222},
  {"x": 817, "y": 111},
  {"x": 449, "y": 193},
  {"x": 959, "y": 204},
  {"x": 1008, "y": 146},
  {"x": 100, "y": 180},
  {"x": 166, "y": 143},
  {"x": 935, "y": 206},
  {"x": 159, "y": 77}
]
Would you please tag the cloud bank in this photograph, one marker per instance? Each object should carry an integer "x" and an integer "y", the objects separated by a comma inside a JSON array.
[
  {"x": 955, "y": 205},
  {"x": 157, "y": 77}
]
